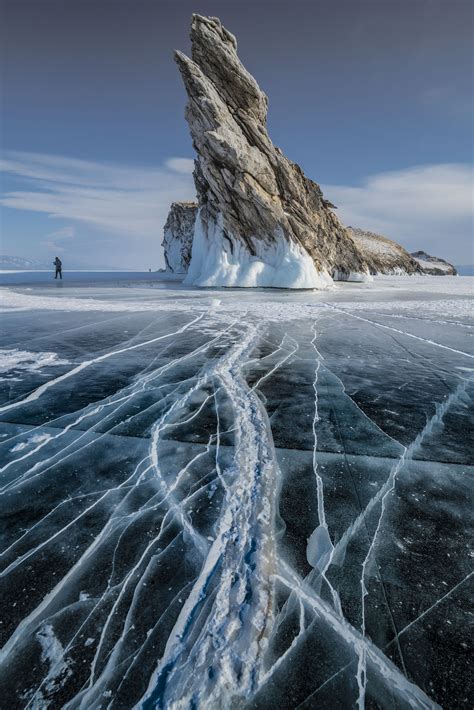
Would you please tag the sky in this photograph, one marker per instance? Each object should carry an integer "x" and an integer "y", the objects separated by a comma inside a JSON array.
[{"x": 373, "y": 98}]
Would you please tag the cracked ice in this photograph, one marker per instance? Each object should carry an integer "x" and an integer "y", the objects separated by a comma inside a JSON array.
[{"x": 238, "y": 500}]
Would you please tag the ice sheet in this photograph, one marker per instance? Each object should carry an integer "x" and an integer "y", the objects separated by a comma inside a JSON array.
[{"x": 226, "y": 498}]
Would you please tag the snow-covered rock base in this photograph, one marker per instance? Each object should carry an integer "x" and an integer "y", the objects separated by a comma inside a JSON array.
[
  {"x": 219, "y": 260},
  {"x": 211, "y": 256}
]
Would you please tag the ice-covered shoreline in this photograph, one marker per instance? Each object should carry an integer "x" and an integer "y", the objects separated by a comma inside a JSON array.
[{"x": 450, "y": 295}]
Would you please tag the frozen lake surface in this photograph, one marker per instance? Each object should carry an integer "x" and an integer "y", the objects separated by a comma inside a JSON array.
[{"x": 236, "y": 499}]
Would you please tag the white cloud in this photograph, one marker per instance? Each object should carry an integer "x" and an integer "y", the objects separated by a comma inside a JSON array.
[
  {"x": 52, "y": 246},
  {"x": 424, "y": 207},
  {"x": 181, "y": 165},
  {"x": 121, "y": 199},
  {"x": 63, "y": 233},
  {"x": 51, "y": 242}
]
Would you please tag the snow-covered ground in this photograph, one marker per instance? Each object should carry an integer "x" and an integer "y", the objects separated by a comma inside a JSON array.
[{"x": 237, "y": 497}]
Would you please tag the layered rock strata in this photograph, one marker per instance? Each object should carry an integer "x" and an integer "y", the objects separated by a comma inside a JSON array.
[
  {"x": 178, "y": 236},
  {"x": 261, "y": 221}
]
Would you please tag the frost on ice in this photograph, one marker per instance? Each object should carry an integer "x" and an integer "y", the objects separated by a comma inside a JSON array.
[{"x": 238, "y": 502}]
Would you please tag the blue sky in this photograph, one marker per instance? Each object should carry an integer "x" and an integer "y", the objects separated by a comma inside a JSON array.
[{"x": 372, "y": 97}]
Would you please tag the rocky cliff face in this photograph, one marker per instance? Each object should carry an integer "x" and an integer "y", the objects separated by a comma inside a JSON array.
[
  {"x": 261, "y": 220},
  {"x": 433, "y": 265},
  {"x": 178, "y": 236},
  {"x": 382, "y": 254}
]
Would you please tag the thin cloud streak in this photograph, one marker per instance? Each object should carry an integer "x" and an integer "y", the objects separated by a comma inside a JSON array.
[
  {"x": 51, "y": 242},
  {"x": 63, "y": 233},
  {"x": 125, "y": 200},
  {"x": 423, "y": 191},
  {"x": 428, "y": 207}
]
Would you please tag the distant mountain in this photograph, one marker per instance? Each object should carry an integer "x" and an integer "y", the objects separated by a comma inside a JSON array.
[
  {"x": 18, "y": 263},
  {"x": 13, "y": 263},
  {"x": 383, "y": 254},
  {"x": 434, "y": 265}
]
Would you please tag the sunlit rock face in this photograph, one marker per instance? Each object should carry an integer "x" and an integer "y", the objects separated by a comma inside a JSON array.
[
  {"x": 382, "y": 254},
  {"x": 178, "y": 236},
  {"x": 263, "y": 222},
  {"x": 433, "y": 265}
]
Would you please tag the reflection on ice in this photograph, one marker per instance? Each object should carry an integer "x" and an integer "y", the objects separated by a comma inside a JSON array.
[{"x": 235, "y": 501}]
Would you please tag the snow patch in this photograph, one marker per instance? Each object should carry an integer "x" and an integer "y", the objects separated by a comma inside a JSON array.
[
  {"x": 356, "y": 276},
  {"x": 52, "y": 654},
  {"x": 27, "y": 361},
  {"x": 35, "y": 439}
]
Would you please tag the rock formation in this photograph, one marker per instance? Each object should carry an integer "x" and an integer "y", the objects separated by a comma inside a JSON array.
[
  {"x": 433, "y": 265},
  {"x": 261, "y": 221},
  {"x": 178, "y": 236},
  {"x": 382, "y": 254}
]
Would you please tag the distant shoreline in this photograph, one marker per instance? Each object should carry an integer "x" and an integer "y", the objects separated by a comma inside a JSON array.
[
  {"x": 75, "y": 271},
  {"x": 84, "y": 277}
]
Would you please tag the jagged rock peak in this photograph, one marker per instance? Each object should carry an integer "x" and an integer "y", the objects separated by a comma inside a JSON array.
[
  {"x": 214, "y": 50},
  {"x": 178, "y": 236},
  {"x": 261, "y": 221}
]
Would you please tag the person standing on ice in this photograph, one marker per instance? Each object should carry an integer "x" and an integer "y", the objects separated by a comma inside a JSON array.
[{"x": 59, "y": 267}]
